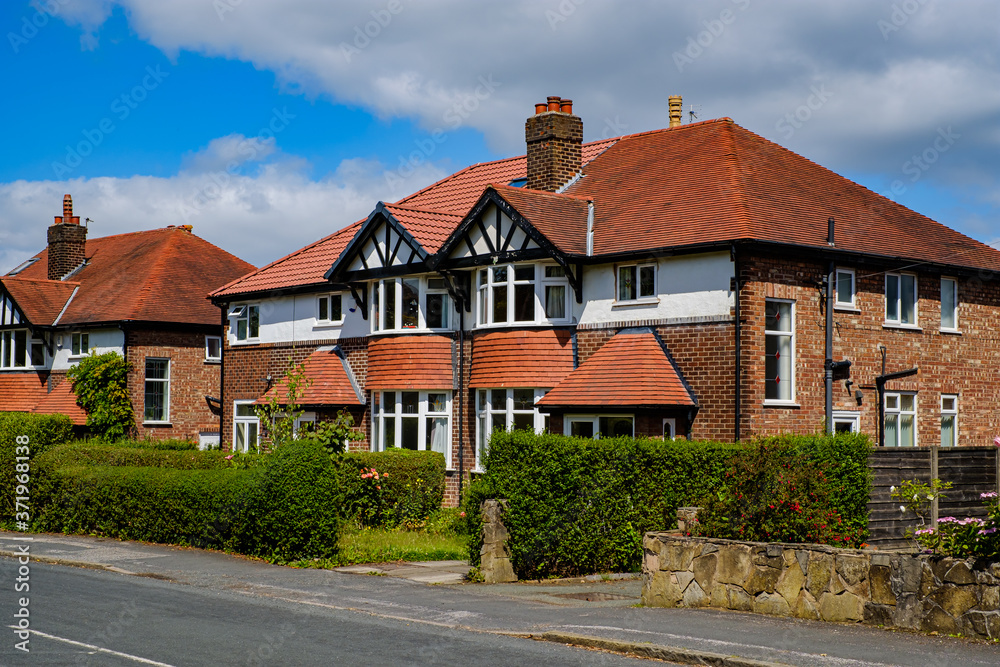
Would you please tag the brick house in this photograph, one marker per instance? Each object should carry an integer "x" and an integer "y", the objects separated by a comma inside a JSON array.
[
  {"x": 140, "y": 294},
  {"x": 667, "y": 283}
]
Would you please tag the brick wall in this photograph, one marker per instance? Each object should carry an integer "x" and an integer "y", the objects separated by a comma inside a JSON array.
[
  {"x": 191, "y": 380},
  {"x": 967, "y": 364}
]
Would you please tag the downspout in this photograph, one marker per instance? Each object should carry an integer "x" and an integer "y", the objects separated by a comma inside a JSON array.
[
  {"x": 461, "y": 399},
  {"x": 738, "y": 403},
  {"x": 222, "y": 372},
  {"x": 828, "y": 365},
  {"x": 590, "y": 229}
]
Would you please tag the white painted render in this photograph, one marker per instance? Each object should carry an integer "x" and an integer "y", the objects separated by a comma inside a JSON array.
[
  {"x": 101, "y": 341},
  {"x": 294, "y": 318}
]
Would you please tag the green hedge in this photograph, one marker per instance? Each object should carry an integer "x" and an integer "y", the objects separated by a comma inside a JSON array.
[
  {"x": 413, "y": 489},
  {"x": 43, "y": 432},
  {"x": 87, "y": 454},
  {"x": 288, "y": 508},
  {"x": 579, "y": 506},
  {"x": 185, "y": 445}
]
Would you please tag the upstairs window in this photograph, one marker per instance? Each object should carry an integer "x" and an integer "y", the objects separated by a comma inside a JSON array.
[
  {"x": 329, "y": 309},
  {"x": 845, "y": 289},
  {"x": 213, "y": 348},
  {"x": 636, "y": 281},
  {"x": 779, "y": 351},
  {"x": 949, "y": 304},
  {"x": 400, "y": 304},
  {"x": 80, "y": 344},
  {"x": 19, "y": 350},
  {"x": 949, "y": 420},
  {"x": 901, "y": 299},
  {"x": 247, "y": 321},
  {"x": 514, "y": 294}
]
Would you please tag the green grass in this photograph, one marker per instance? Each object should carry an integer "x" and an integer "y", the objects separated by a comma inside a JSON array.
[{"x": 387, "y": 546}]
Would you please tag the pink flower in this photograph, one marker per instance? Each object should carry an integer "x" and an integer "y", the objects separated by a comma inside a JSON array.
[
  {"x": 996, "y": 441},
  {"x": 229, "y": 458}
]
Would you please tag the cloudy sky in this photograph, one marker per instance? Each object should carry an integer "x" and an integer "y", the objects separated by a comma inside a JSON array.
[{"x": 267, "y": 124}]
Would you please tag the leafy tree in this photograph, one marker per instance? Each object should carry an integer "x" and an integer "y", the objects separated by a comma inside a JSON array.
[
  {"x": 100, "y": 382},
  {"x": 277, "y": 418}
]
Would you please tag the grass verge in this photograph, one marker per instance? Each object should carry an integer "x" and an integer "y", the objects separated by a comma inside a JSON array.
[{"x": 374, "y": 545}]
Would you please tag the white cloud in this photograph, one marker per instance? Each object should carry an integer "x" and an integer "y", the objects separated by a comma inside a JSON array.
[{"x": 228, "y": 153}]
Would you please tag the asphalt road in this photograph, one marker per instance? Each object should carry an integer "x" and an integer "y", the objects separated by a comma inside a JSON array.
[{"x": 82, "y": 616}]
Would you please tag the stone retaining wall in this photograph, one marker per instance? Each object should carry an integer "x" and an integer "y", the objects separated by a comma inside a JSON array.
[{"x": 922, "y": 592}]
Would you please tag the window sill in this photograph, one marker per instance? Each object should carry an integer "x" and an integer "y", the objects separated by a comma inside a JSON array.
[
  {"x": 328, "y": 325},
  {"x": 780, "y": 404},
  {"x": 648, "y": 301},
  {"x": 952, "y": 332},
  {"x": 247, "y": 341},
  {"x": 157, "y": 424},
  {"x": 903, "y": 327},
  {"x": 214, "y": 362},
  {"x": 846, "y": 309}
]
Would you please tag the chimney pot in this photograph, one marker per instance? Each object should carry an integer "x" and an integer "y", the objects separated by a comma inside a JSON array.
[
  {"x": 675, "y": 103},
  {"x": 540, "y": 108},
  {"x": 553, "y": 142},
  {"x": 554, "y": 103},
  {"x": 566, "y": 106}
]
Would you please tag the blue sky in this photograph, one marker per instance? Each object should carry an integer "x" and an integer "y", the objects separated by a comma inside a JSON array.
[{"x": 268, "y": 124}]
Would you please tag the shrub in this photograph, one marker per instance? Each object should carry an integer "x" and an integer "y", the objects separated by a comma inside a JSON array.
[
  {"x": 100, "y": 382},
  {"x": 287, "y": 508},
  {"x": 42, "y": 432},
  {"x": 961, "y": 538},
  {"x": 172, "y": 443},
  {"x": 86, "y": 454},
  {"x": 778, "y": 490},
  {"x": 409, "y": 487}
]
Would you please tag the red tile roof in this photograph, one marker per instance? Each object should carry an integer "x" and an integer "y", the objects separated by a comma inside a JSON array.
[
  {"x": 527, "y": 358},
  {"x": 429, "y": 228},
  {"x": 28, "y": 392},
  {"x": 61, "y": 400},
  {"x": 410, "y": 362},
  {"x": 561, "y": 218},
  {"x": 160, "y": 275},
  {"x": 40, "y": 300},
  {"x": 631, "y": 370},
  {"x": 331, "y": 384}
]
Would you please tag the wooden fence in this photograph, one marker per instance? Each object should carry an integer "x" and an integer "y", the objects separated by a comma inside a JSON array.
[{"x": 971, "y": 470}]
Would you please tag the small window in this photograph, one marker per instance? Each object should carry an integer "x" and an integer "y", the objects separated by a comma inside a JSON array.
[
  {"x": 156, "y": 406},
  {"x": 213, "y": 348},
  {"x": 247, "y": 321},
  {"x": 845, "y": 289},
  {"x": 81, "y": 344},
  {"x": 901, "y": 299},
  {"x": 246, "y": 427},
  {"x": 329, "y": 309},
  {"x": 669, "y": 429},
  {"x": 600, "y": 426},
  {"x": 636, "y": 281},
  {"x": 900, "y": 419},
  {"x": 846, "y": 421},
  {"x": 949, "y": 304},
  {"x": 949, "y": 420},
  {"x": 779, "y": 351}
]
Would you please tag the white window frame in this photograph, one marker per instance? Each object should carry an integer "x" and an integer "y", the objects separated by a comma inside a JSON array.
[
  {"x": 245, "y": 312},
  {"x": 952, "y": 284},
  {"x": 424, "y": 288},
  {"x": 380, "y": 416},
  {"x": 209, "y": 357},
  {"x": 8, "y": 349},
  {"x": 485, "y": 294},
  {"x": 672, "y": 423},
  {"x": 790, "y": 400},
  {"x": 328, "y": 301},
  {"x": 244, "y": 422},
  {"x": 845, "y": 305},
  {"x": 949, "y": 410},
  {"x": 165, "y": 381},
  {"x": 79, "y": 345},
  {"x": 639, "y": 296},
  {"x": 489, "y": 418},
  {"x": 595, "y": 420},
  {"x": 894, "y": 411},
  {"x": 849, "y": 417},
  {"x": 898, "y": 278}
]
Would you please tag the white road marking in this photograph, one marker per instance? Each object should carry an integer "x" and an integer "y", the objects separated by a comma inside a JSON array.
[{"x": 99, "y": 649}]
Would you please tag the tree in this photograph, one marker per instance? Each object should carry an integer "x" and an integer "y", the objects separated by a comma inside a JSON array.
[{"x": 100, "y": 382}]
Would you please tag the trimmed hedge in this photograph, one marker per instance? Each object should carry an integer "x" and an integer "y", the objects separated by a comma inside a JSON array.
[
  {"x": 286, "y": 509},
  {"x": 413, "y": 489},
  {"x": 87, "y": 454},
  {"x": 43, "y": 432},
  {"x": 185, "y": 445},
  {"x": 579, "y": 506}
]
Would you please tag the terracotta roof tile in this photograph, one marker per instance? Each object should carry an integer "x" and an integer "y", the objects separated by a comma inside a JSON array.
[
  {"x": 29, "y": 392},
  {"x": 429, "y": 228},
  {"x": 160, "y": 275},
  {"x": 40, "y": 300},
  {"x": 331, "y": 384},
  {"x": 410, "y": 362},
  {"x": 630, "y": 370},
  {"x": 61, "y": 400},
  {"x": 529, "y": 358},
  {"x": 561, "y": 218}
]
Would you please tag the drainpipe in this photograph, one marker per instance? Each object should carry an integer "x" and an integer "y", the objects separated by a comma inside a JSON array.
[
  {"x": 461, "y": 398},
  {"x": 222, "y": 371},
  {"x": 737, "y": 398},
  {"x": 828, "y": 365}
]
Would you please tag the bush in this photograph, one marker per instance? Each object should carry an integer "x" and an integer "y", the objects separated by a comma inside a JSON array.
[
  {"x": 287, "y": 508},
  {"x": 409, "y": 487},
  {"x": 780, "y": 489},
  {"x": 579, "y": 506},
  {"x": 183, "y": 445},
  {"x": 42, "y": 432},
  {"x": 87, "y": 454},
  {"x": 962, "y": 538},
  {"x": 100, "y": 382}
]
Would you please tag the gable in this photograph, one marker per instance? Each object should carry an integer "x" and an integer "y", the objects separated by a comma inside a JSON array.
[
  {"x": 385, "y": 247},
  {"x": 10, "y": 315},
  {"x": 492, "y": 232}
]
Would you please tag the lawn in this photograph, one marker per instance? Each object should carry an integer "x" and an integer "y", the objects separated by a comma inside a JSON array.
[{"x": 375, "y": 545}]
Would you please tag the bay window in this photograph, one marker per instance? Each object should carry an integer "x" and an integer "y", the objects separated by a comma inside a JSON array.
[
  {"x": 508, "y": 409},
  {"x": 19, "y": 350},
  {"x": 400, "y": 304},
  {"x": 417, "y": 420},
  {"x": 521, "y": 293},
  {"x": 779, "y": 351}
]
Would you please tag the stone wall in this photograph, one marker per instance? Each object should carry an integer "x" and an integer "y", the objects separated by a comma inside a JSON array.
[{"x": 811, "y": 581}]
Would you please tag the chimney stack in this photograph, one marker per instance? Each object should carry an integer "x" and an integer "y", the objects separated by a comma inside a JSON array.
[
  {"x": 676, "y": 105},
  {"x": 67, "y": 242},
  {"x": 554, "y": 136}
]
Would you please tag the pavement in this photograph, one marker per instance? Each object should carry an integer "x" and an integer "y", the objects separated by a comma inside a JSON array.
[{"x": 599, "y": 612}]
